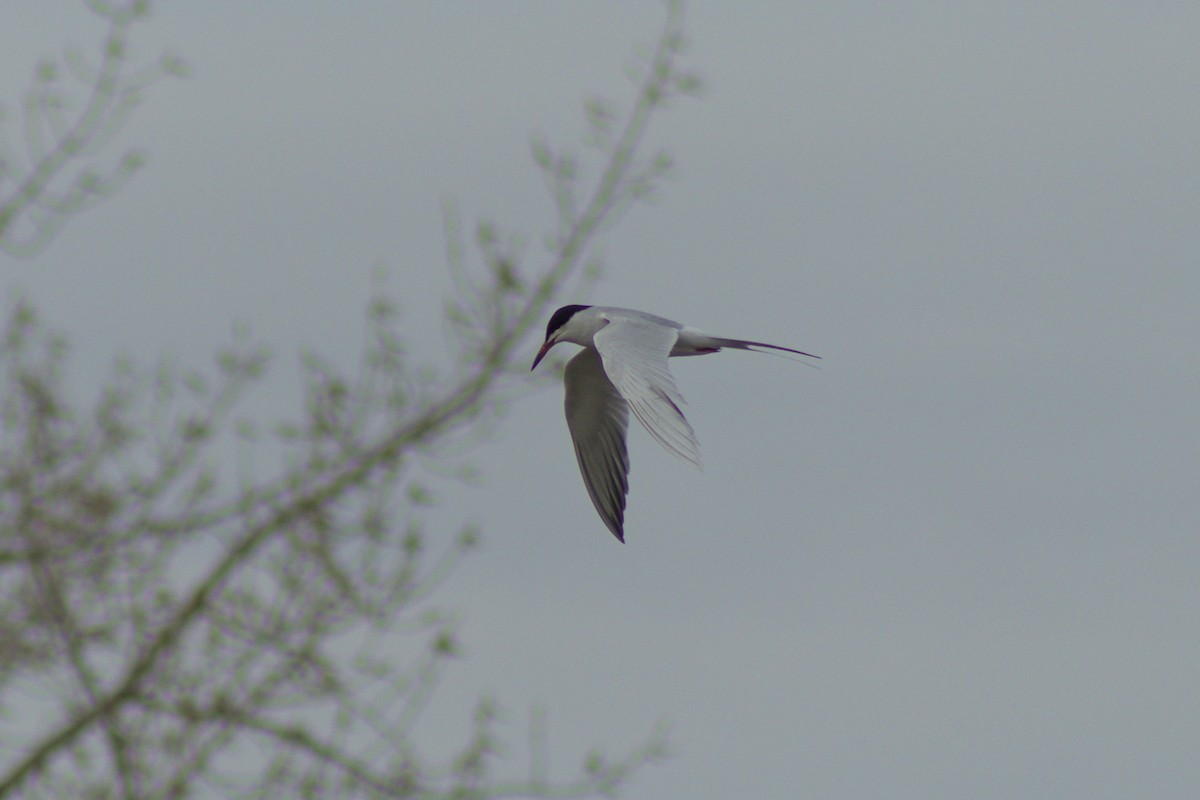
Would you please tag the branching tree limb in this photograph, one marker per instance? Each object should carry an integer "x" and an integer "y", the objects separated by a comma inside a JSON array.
[
  {"x": 58, "y": 172},
  {"x": 180, "y": 632}
]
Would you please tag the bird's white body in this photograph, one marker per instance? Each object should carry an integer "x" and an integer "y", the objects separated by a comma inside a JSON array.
[
  {"x": 623, "y": 367},
  {"x": 582, "y": 328}
]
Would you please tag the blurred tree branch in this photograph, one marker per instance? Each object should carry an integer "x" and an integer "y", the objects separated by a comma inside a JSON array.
[
  {"x": 55, "y": 174},
  {"x": 182, "y": 632}
]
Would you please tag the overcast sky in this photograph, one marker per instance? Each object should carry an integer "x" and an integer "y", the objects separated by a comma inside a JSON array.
[{"x": 959, "y": 560}]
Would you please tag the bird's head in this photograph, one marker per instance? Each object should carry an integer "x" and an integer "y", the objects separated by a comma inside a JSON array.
[{"x": 557, "y": 330}]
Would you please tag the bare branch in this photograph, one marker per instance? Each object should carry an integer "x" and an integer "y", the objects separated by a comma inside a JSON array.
[
  {"x": 59, "y": 176},
  {"x": 184, "y": 617}
]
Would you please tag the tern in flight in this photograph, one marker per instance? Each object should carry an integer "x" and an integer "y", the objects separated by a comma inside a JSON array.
[{"x": 623, "y": 366}]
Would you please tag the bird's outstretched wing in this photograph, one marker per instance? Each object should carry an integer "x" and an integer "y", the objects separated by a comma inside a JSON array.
[
  {"x": 598, "y": 418},
  {"x": 634, "y": 353}
]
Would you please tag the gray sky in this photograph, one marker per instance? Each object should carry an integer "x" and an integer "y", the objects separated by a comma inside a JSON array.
[{"x": 959, "y": 560}]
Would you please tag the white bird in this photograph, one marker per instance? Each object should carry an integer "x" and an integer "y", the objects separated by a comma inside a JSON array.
[{"x": 623, "y": 366}]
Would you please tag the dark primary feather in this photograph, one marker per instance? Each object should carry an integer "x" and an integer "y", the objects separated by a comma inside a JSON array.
[{"x": 598, "y": 418}]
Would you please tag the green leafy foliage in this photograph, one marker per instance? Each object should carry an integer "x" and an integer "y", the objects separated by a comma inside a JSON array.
[{"x": 196, "y": 629}]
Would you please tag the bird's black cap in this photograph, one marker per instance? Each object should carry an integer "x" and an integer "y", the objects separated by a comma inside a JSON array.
[{"x": 560, "y": 317}]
